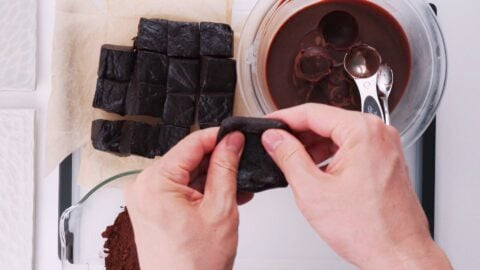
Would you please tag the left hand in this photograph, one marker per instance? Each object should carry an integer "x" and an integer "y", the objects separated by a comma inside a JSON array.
[{"x": 181, "y": 218}]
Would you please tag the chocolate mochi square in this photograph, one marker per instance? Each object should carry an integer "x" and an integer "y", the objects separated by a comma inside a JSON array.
[
  {"x": 151, "y": 68},
  {"x": 138, "y": 139},
  {"x": 145, "y": 99},
  {"x": 152, "y": 35},
  {"x": 116, "y": 63},
  {"x": 216, "y": 39},
  {"x": 218, "y": 75},
  {"x": 183, "y": 39},
  {"x": 213, "y": 109},
  {"x": 183, "y": 76},
  {"x": 106, "y": 135},
  {"x": 168, "y": 137},
  {"x": 257, "y": 171},
  {"x": 179, "y": 110},
  {"x": 110, "y": 96}
]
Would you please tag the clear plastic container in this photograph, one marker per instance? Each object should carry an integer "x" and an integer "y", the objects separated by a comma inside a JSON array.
[
  {"x": 81, "y": 225},
  {"x": 425, "y": 89}
]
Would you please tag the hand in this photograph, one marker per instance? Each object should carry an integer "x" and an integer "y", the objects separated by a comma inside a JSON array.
[
  {"x": 363, "y": 204},
  {"x": 181, "y": 219}
]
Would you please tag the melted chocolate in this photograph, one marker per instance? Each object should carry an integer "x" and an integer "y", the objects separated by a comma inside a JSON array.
[{"x": 305, "y": 60}]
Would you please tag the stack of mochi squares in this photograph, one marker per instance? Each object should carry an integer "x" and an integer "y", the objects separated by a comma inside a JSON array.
[{"x": 177, "y": 72}]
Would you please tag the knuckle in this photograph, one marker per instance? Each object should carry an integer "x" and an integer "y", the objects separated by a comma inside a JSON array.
[
  {"x": 374, "y": 128},
  {"x": 309, "y": 105},
  {"x": 393, "y": 131},
  {"x": 394, "y": 134},
  {"x": 287, "y": 154},
  {"x": 222, "y": 213},
  {"x": 195, "y": 136},
  {"x": 225, "y": 165},
  {"x": 377, "y": 127},
  {"x": 353, "y": 128},
  {"x": 311, "y": 108},
  {"x": 394, "y": 157},
  {"x": 165, "y": 171}
]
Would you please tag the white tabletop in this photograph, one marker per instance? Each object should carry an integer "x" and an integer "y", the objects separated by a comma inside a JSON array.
[
  {"x": 457, "y": 212},
  {"x": 45, "y": 253}
]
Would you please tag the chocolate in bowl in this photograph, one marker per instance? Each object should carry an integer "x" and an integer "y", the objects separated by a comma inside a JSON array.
[
  {"x": 326, "y": 31},
  {"x": 409, "y": 27}
]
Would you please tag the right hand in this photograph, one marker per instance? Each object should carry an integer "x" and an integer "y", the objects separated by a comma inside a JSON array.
[{"x": 363, "y": 204}]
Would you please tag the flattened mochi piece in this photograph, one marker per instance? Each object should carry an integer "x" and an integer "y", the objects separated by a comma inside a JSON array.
[
  {"x": 213, "y": 109},
  {"x": 179, "y": 110},
  {"x": 106, "y": 135},
  {"x": 216, "y": 39},
  {"x": 183, "y": 39},
  {"x": 168, "y": 137},
  {"x": 152, "y": 35},
  {"x": 138, "y": 139},
  {"x": 183, "y": 76},
  {"x": 116, "y": 63},
  {"x": 218, "y": 75},
  {"x": 110, "y": 96},
  {"x": 257, "y": 171},
  {"x": 145, "y": 99},
  {"x": 151, "y": 68}
]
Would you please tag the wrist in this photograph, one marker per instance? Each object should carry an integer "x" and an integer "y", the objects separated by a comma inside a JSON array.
[
  {"x": 193, "y": 263},
  {"x": 412, "y": 254}
]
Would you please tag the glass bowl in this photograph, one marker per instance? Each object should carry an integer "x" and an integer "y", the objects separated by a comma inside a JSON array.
[
  {"x": 419, "y": 104},
  {"x": 81, "y": 226}
]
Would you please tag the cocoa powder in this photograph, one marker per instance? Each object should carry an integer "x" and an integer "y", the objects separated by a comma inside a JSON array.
[{"x": 120, "y": 245}]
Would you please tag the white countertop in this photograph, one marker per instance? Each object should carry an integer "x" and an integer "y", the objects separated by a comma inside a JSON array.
[
  {"x": 46, "y": 207},
  {"x": 458, "y": 177},
  {"x": 457, "y": 222}
]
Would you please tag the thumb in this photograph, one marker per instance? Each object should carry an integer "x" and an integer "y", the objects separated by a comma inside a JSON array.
[
  {"x": 221, "y": 184},
  {"x": 292, "y": 158}
]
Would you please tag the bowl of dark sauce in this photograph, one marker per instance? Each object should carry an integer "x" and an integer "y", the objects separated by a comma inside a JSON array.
[{"x": 292, "y": 52}]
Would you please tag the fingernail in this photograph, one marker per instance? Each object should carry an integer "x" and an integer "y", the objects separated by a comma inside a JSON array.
[
  {"x": 235, "y": 142},
  {"x": 272, "y": 139}
]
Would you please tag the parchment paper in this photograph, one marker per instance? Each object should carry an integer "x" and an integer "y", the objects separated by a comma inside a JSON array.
[{"x": 81, "y": 27}]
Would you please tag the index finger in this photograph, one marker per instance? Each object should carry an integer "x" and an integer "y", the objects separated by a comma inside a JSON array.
[
  {"x": 177, "y": 164},
  {"x": 326, "y": 121}
]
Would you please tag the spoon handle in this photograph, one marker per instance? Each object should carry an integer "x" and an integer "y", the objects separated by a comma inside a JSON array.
[
  {"x": 368, "y": 94},
  {"x": 386, "y": 111},
  {"x": 372, "y": 106}
]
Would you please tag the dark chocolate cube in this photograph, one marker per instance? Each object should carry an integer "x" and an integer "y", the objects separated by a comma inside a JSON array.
[
  {"x": 138, "y": 139},
  {"x": 216, "y": 39},
  {"x": 110, "y": 96},
  {"x": 209, "y": 125},
  {"x": 152, "y": 35},
  {"x": 116, "y": 63},
  {"x": 183, "y": 76},
  {"x": 213, "y": 109},
  {"x": 106, "y": 135},
  {"x": 151, "y": 68},
  {"x": 257, "y": 171},
  {"x": 183, "y": 39},
  {"x": 145, "y": 99},
  {"x": 218, "y": 75},
  {"x": 179, "y": 110},
  {"x": 168, "y": 137}
]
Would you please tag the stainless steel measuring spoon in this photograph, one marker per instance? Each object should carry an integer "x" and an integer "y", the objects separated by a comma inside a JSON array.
[
  {"x": 362, "y": 62},
  {"x": 385, "y": 85}
]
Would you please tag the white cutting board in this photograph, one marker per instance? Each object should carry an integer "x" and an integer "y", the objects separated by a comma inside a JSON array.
[{"x": 16, "y": 189}]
